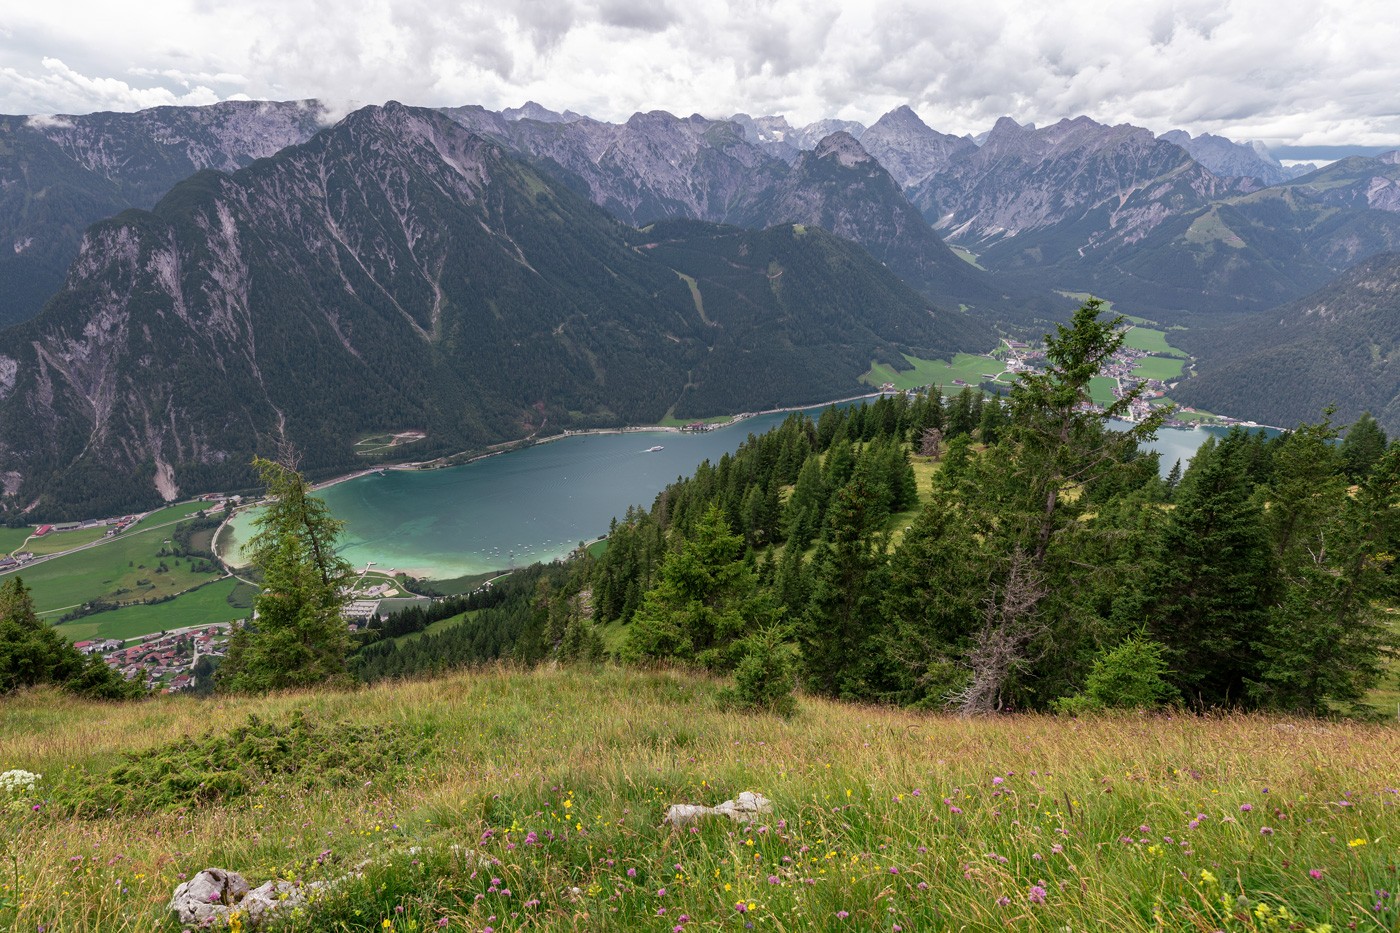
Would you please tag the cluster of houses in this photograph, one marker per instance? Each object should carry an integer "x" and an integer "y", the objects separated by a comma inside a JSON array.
[
  {"x": 11, "y": 561},
  {"x": 165, "y": 660}
]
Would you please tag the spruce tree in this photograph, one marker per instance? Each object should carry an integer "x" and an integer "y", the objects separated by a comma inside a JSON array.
[{"x": 298, "y": 636}]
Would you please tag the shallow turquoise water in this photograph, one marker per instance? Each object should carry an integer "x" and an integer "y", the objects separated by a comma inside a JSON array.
[{"x": 539, "y": 503}]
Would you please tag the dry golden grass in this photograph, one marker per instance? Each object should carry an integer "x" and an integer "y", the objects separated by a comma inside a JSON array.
[{"x": 892, "y": 817}]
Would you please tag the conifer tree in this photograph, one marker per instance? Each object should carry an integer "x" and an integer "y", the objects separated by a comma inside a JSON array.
[{"x": 298, "y": 636}]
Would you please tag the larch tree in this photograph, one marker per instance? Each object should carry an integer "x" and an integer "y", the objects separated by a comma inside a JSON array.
[{"x": 298, "y": 636}]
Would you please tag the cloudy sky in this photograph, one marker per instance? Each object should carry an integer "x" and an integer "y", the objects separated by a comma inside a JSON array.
[{"x": 1288, "y": 73}]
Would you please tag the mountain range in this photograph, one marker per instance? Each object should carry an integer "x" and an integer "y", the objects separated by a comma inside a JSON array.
[
  {"x": 398, "y": 271},
  {"x": 253, "y": 269}
]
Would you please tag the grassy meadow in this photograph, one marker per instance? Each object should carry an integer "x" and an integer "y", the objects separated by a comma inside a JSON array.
[
  {"x": 970, "y": 368},
  {"x": 503, "y": 800},
  {"x": 124, "y": 568}
]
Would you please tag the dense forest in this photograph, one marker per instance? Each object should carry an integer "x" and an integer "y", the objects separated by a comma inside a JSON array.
[{"x": 1048, "y": 566}]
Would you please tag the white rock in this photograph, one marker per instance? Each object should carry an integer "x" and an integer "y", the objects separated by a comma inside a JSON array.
[
  {"x": 743, "y": 809},
  {"x": 209, "y": 895}
]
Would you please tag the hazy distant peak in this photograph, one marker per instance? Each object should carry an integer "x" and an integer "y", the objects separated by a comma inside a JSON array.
[
  {"x": 533, "y": 111},
  {"x": 843, "y": 147}
]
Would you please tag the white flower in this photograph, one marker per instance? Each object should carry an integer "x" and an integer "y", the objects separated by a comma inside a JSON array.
[{"x": 18, "y": 782}]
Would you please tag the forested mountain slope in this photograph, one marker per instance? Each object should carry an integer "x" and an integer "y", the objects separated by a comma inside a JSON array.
[
  {"x": 60, "y": 174},
  {"x": 1340, "y": 345},
  {"x": 398, "y": 272}
]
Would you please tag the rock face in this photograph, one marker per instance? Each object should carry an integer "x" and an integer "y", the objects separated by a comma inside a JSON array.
[
  {"x": 59, "y": 174},
  {"x": 1229, "y": 159},
  {"x": 911, "y": 151},
  {"x": 745, "y": 808},
  {"x": 658, "y": 166}
]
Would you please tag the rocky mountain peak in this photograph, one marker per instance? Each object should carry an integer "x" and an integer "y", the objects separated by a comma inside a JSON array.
[
  {"x": 844, "y": 148},
  {"x": 530, "y": 110},
  {"x": 909, "y": 149},
  {"x": 1229, "y": 159}
]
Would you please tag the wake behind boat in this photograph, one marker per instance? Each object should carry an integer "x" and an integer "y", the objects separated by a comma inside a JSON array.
[{"x": 652, "y": 450}]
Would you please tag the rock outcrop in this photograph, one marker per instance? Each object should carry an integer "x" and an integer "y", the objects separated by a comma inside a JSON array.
[
  {"x": 743, "y": 809},
  {"x": 216, "y": 894}
]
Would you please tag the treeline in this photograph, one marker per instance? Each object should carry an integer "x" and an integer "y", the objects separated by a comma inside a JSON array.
[
  {"x": 509, "y": 620},
  {"x": 1051, "y": 566}
]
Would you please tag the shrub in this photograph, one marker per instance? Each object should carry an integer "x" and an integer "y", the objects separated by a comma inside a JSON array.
[
  {"x": 1130, "y": 676},
  {"x": 766, "y": 674}
]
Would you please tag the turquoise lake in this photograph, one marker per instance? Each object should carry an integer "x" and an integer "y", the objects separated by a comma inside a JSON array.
[{"x": 537, "y": 504}]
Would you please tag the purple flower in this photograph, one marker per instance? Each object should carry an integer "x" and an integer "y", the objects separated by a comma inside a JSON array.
[
  {"x": 660, "y": 892},
  {"x": 631, "y": 873},
  {"x": 1246, "y": 807},
  {"x": 841, "y": 915},
  {"x": 1036, "y": 895},
  {"x": 998, "y": 780},
  {"x": 1265, "y": 831},
  {"x": 1315, "y": 873}
]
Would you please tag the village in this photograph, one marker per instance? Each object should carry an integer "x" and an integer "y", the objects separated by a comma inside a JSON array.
[{"x": 164, "y": 661}]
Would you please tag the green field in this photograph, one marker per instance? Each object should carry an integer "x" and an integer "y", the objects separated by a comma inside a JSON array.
[
  {"x": 209, "y": 603},
  {"x": 966, "y": 255},
  {"x": 671, "y": 421},
  {"x": 440, "y": 625},
  {"x": 1101, "y": 388},
  {"x": 12, "y": 538},
  {"x": 125, "y": 562},
  {"x": 1159, "y": 367},
  {"x": 970, "y": 368},
  {"x": 1150, "y": 341},
  {"x": 56, "y": 541}
]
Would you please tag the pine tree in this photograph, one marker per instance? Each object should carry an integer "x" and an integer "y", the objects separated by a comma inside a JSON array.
[
  {"x": 298, "y": 636},
  {"x": 32, "y": 653},
  {"x": 1363, "y": 447},
  {"x": 1212, "y": 580},
  {"x": 843, "y": 613}
]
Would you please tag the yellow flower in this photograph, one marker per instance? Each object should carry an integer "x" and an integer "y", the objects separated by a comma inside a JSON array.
[
  {"x": 386, "y": 924},
  {"x": 568, "y": 804},
  {"x": 1357, "y": 842},
  {"x": 1208, "y": 878}
]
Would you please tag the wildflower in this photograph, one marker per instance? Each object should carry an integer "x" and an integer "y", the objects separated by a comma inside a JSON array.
[
  {"x": 1265, "y": 831},
  {"x": 1246, "y": 807},
  {"x": 842, "y": 915},
  {"x": 998, "y": 781},
  {"x": 1208, "y": 878},
  {"x": 631, "y": 873},
  {"x": 1036, "y": 894},
  {"x": 1315, "y": 873},
  {"x": 660, "y": 892},
  {"x": 1003, "y": 901},
  {"x": 1356, "y": 842}
]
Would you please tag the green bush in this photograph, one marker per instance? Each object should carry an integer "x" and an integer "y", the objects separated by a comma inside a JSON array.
[
  {"x": 766, "y": 675},
  {"x": 302, "y": 753},
  {"x": 1130, "y": 676}
]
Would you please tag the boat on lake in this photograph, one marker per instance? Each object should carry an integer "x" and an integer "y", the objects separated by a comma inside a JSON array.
[{"x": 652, "y": 450}]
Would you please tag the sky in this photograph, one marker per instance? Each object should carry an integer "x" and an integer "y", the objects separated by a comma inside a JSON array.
[{"x": 1292, "y": 74}]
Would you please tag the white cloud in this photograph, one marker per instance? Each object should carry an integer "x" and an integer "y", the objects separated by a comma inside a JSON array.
[{"x": 1285, "y": 73}]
